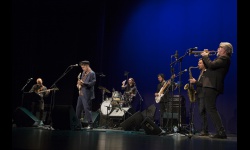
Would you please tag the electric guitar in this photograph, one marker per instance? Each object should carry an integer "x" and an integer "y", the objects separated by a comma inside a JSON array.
[
  {"x": 53, "y": 89},
  {"x": 161, "y": 92},
  {"x": 79, "y": 86}
]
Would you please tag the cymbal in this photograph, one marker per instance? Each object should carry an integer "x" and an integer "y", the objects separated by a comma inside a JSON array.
[{"x": 103, "y": 88}]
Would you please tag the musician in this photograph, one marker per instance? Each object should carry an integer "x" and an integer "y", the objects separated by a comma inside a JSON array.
[
  {"x": 86, "y": 89},
  {"x": 162, "y": 94},
  {"x": 38, "y": 104},
  {"x": 130, "y": 91},
  {"x": 213, "y": 83},
  {"x": 200, "y": 98}
]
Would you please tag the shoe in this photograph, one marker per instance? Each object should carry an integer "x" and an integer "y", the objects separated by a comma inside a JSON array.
[
  {"x": 90, "y": 127},
  {"x": 40, "y": 123},
  {"x": 163, "y": 132},
  {"x": 219, "y": 135},
  {"x": 202, "y": 133}
]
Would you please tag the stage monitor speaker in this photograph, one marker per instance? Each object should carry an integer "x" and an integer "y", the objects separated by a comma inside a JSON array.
[
  {"x": 24, "y": 118},
  {"x": 150, "y": 127},
  {"x": 149, "y": 112},
  {"x": 64, "y": 117},
  {"x": 95, "y": 119},
  {"x": 133, "y": 122}
]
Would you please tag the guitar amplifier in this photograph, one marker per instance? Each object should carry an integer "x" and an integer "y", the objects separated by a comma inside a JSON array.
[{"x": 176, "y": 100}]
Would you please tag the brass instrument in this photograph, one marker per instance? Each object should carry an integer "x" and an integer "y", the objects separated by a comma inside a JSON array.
[
  {"x": 198, "y": 53},
  {"x": 190, "y": 87}
]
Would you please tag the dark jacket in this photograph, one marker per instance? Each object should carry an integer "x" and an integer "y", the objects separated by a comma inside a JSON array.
[
  {"x": 89, "y": 84},
  {"x": 216, "y": 72}
]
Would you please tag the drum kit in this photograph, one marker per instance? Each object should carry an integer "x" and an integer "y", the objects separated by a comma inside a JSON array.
[{"x": 116, "y": 101}]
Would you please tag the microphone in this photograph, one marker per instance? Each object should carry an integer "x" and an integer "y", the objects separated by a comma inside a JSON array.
[
  {"x": 195, "y": 48},
  {"x": 176, "y": 55},
  {"x": 183, "y": 71},
  {"x": 74, "y": 65},
  {"x": 30, "y": 79},
  {"x": 190, "y": 50},
  {"x": 102, "y": 75}
]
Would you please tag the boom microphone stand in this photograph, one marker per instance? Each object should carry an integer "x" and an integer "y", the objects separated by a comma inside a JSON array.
[
  {"x": 52, "y": 102},
  {"x": 179, "y": 88},
  {"x": 140, "y": 97},
  {"x": 171, "y": 100},
  {"x": 28, "y": 81}
]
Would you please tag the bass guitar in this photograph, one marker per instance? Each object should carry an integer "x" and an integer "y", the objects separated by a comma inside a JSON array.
[{"x": 166, "y": 86}]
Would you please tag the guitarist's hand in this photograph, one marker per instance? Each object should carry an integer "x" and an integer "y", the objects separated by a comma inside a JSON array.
[
  {"x": 156, "y": 94},
  {"x": 80, "y": 82}
]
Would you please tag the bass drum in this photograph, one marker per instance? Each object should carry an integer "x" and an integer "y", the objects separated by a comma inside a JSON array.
[{"x": 106, "y": 106}]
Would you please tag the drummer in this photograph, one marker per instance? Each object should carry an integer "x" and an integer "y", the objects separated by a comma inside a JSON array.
[{"x": 130, "y": 91}]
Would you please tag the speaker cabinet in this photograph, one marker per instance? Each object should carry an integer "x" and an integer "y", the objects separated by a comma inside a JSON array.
[
  {"x": 24, "y": 118},
  {"x": 95, "y": 119},
  {"x": 133, "y": 122},
  {"x": 64, "y": 117},
  {"x": 150, "y": 127},
  {"x": 149, "y": 112},
  {"x": 176, "y": 114},
  {"x": 175, "y": 108}
]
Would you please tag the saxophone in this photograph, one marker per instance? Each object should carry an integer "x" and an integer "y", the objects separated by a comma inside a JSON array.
[{"x": 190, "y": 87}]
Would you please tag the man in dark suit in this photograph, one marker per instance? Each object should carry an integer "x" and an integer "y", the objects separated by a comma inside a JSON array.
[
  {"x": 199, "y": 95},
  {"x": 85, "y": 86},
  {"x": 213, "y": 83}
]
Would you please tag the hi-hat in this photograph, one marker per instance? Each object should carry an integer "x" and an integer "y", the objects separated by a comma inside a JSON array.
[{"x": 103, "y": 88}]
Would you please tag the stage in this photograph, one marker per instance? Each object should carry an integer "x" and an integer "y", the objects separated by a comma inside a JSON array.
[{"x": 45, "y": 138}]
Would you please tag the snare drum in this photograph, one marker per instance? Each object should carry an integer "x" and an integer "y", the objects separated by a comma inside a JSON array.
[
  {"x": 106, "y": 106},
  {"x": 116, "y": 95}
]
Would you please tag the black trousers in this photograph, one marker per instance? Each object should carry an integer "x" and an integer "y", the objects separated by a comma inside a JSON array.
[
  {"x": 210, "y": 96},
  {"x": 203, "y": 114}
]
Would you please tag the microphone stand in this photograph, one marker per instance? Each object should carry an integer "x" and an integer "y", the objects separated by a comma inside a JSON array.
[
  {"x": 52, "y": 102},
  {"x": 28, "y": 81},
  {"x": 172, "y": 95},
  {"x": 179, "y": 89},
  {"x": 140, "y": 98}
]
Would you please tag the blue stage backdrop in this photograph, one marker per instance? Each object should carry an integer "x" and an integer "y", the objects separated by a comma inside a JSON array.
[{"x": 140, "y": 38}]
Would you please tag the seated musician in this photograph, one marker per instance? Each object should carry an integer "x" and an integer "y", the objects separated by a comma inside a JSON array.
[{"x": 130, "y": 91}]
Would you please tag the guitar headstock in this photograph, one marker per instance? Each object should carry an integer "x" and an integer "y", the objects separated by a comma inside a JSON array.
[
  {"x": 173, "y": 76},
  {"x": 79, "y": 76}
]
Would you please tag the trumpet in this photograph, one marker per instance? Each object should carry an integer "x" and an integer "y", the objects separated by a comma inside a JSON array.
[{"x": 198, "y": 53}]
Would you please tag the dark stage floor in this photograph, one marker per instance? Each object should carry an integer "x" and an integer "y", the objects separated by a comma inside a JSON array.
[{"x": 100, "y": 138}]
